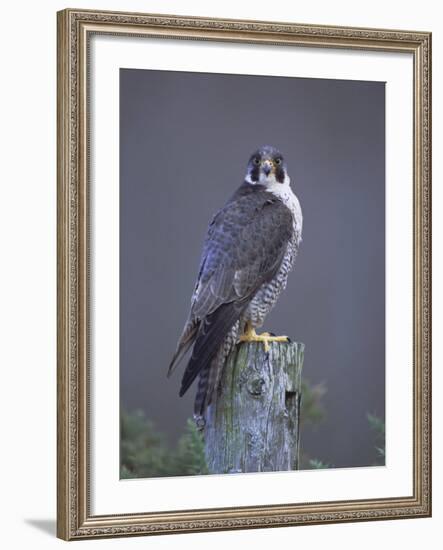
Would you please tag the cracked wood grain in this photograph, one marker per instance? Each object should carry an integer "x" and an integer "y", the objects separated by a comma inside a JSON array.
[{"x": 254, "y": 423}]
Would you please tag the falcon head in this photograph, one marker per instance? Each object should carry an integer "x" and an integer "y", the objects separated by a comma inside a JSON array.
[{"x": 267, "y": 167}]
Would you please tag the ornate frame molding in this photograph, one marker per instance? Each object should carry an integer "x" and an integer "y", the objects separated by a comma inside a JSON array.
[{"x": 75, "y": 27}]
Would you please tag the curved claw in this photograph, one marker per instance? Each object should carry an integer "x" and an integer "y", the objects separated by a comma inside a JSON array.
[{"x": 266, "y": 337}]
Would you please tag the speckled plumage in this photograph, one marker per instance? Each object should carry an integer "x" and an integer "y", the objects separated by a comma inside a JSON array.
[{"x": 249, "y": 250}]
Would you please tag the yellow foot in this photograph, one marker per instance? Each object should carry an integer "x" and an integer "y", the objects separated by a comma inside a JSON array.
[{"x": 251, "y": 336}]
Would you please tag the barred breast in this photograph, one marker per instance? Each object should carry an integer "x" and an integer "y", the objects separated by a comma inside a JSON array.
[{"x": 267, "y": 296}]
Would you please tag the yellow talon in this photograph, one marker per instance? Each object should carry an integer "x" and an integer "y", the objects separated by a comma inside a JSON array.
[{"x": 251, "y": 336}]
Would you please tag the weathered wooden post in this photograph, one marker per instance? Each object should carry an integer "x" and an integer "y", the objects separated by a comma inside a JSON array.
[{"x": 253, "y": 424}]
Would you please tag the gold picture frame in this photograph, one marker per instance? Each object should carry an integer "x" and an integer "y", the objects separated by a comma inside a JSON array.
[{"x": 74, "y": 518}]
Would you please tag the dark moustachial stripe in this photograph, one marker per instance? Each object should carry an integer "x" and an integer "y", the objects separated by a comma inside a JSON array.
[
  {"x": 280, "y": 174},
  {"x": 255, "y": 172}
]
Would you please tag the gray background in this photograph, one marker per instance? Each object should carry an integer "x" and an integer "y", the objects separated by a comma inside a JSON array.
[{"x": 185, "y": 139}]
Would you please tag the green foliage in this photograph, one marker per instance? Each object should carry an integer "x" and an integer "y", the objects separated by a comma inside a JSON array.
[
  {"x": 189, "y": 457},
  {"x": 315, "y": 464},
  {"x": 311, "y": 414},
  {"x": 144, "y": 452},
  {"x": 377, "y": 425},
  {"x": 312, "y": 411}
]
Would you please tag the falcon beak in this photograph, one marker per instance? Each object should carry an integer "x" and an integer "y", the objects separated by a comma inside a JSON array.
[{"x": 267, "y": 167}]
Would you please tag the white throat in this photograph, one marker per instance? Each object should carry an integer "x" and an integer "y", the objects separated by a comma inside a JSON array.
[{"x": 284, "y": 192}]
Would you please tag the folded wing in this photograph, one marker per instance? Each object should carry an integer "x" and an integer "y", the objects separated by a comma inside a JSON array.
[{"x": 244, "y": 247}]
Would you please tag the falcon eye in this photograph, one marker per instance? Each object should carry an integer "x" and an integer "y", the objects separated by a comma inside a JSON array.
[
  {"x": 278, "y": 160},
  {"x": 256, "y": 161}
]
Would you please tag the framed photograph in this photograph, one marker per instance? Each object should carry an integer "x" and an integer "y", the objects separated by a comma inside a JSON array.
[{"x": 244, "y": 249}]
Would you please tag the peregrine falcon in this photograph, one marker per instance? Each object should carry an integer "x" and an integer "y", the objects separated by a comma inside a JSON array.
[{"x": 250, "y": 247}]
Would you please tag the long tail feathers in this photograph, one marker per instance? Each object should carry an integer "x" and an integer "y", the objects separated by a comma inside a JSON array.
[
  {"x": 185, "y": 342},
  {"x": 211, "y": 334},
  {"x": 201, "y": 393}
]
